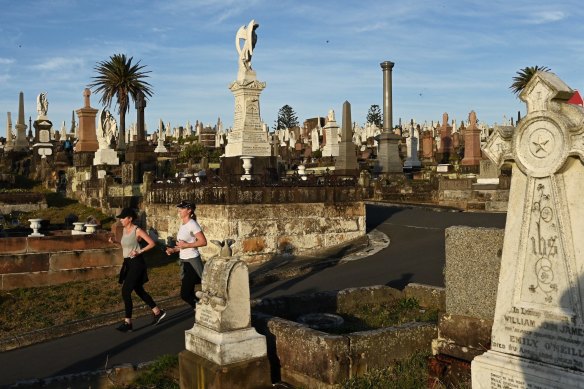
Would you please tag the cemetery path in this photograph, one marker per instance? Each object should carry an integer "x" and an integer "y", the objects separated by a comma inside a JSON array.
[{"x": 415, "y": 254}]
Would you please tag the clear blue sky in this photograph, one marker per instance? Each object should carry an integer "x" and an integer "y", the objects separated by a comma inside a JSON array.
[{"x": 450, "y": 56}]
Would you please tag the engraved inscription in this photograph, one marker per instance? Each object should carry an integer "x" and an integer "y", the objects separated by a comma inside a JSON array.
[{"x": 544, "y": 254}]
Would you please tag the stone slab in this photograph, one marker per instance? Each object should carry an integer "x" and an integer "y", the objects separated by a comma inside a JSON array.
[
  {"x": 494, "y": 370},
  {"x": 197, "y": 372}
]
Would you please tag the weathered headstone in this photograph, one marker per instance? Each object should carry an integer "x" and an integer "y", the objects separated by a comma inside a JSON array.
[
  {"x": 388, "y": 160},
  {"x": 223, "y": 350},
  {"x": 538, "y": 330}
]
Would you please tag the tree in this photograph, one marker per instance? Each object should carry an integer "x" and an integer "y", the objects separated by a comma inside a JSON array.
[
  {"x": 374, "y": 115},
  {"x": 286, "y": 118},
  {"x": 524, "y": 76},
  {"x": 118, "y": 77},
  {"x": 194, "y": 151}
]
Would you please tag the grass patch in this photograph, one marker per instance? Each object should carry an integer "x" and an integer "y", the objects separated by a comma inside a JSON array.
[
  {"x": 28, "y": 309},
  {"x": 373, "y": 316},
  {"x": 161, "y": 374},
  {"x": 411, "y": 373}
]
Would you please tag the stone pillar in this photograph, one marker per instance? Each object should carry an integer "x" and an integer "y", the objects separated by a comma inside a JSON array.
[
  {"x": 21, "y": 143},
  {"x": 87, "y": 135},
  {"x": 387, "y": 67},
  {"x": 346, "y": 162},
  {"x": 472, "y": 142},
  {"x": 9, "y": 138}
]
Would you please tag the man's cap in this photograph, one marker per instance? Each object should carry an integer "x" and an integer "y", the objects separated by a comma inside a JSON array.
[
  {"x": 127, "y": 212},
  {"x": 186, "y": 204}
]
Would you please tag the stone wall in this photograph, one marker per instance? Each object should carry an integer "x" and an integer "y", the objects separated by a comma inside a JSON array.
[
  {"x": 38, "y": 261},
  {"x": 310, "y": 358},
  {"x": 262, "y": 231},
  {"x": 22, "y": 202}
]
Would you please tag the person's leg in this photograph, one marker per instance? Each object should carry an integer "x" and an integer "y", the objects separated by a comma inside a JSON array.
[
  {"x": 187, "y": 288},
  {"x": 127, "y": 288},
  {"x": 145, "y": 296}
]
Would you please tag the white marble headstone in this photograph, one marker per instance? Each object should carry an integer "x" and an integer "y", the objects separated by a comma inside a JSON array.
[{"x": 538, "y": 329}]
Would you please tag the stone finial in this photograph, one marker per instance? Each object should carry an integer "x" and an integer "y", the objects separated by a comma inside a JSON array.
[
  {"x": 445, "y": 119},
  {"x": 225, "y": 247},
  {"x": 86, "y": 94}
]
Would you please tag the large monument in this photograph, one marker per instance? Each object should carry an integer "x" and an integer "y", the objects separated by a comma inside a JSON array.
[
  {"x": 247, "y": 138},
  {"x": 537, "y": 337}
]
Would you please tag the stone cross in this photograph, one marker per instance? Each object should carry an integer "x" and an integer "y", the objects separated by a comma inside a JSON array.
[{"x": 538, "y": 329}]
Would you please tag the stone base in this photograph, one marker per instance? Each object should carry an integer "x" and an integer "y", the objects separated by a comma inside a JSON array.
[
  {"x": 498, "y": 370},
  {"x": 412, "y": 163},
  {"x": 83, "y": 158},
  {"x": 198, "y": 372},
  {"x": 106, "y": 157},
  {"x": 225, "y": 348}
]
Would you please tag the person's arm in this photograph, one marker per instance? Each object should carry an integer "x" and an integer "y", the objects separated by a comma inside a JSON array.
[{"x": 142, "y": 234}]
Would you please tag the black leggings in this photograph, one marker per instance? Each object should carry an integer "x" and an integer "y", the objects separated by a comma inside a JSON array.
[
  {"x": 189, "y": 280},
  {"x": 134, "y": 281}
]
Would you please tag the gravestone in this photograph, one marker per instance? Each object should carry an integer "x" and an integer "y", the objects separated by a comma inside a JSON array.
[
  {"x": 346, "y": 162},
  {"x": 388, "y": 160},
  {"x": 138, "y": 151},
  {"x": 9, "y": 137},
  {"x": 87, "y": 136},
  {"x": 412, "y": 161},
  {"x": 247, "y": 137},
  {"x": 330, "y": 130},
  {"x": 223, "y": 350},
  {"x": 472, "y": 142},
  {"x": 445, "y": 146},
  {"x": 21, "y": 143},
  {"x": 106, "y": 130},
  {"x": 538, "y": 329}
]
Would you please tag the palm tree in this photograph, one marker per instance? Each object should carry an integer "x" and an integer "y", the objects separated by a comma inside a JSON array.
[
  {"x": 524, "y": 76},
  {"x": 118, "y": 77}
]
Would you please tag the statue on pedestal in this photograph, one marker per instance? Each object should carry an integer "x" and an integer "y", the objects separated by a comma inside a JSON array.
[
  {"x": 42, "y": 104},
  {"x": 246, "y": 33}
]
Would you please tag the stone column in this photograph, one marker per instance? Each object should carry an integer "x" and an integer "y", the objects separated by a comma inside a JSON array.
[
  {"x": 9, "y": 138},
  {"x": 387, "y": 67}
]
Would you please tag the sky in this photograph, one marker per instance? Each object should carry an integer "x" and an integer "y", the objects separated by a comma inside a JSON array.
[{"x": 450, "y": 56}]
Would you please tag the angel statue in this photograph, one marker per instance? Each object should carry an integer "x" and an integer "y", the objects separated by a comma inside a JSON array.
[
  {"x": 42, "y": 104},
  {"x": 247, "y": 33},
  {"x": 106, "y": 129}
]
